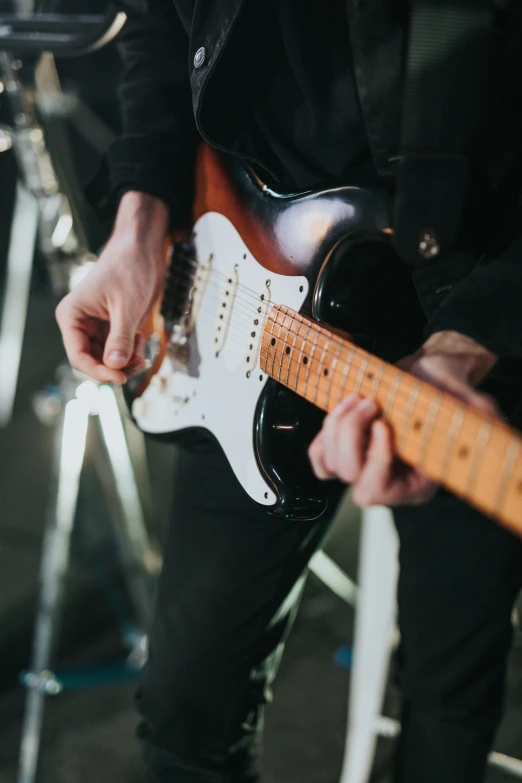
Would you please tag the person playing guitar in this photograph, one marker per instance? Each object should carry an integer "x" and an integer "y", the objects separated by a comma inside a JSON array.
[{"x": 308, "y": 95}]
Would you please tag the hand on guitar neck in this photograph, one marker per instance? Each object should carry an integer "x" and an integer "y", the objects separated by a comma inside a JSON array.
[{"x": 356, "y": 446}]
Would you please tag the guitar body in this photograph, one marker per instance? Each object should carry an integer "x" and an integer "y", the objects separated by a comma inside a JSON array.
[{"x": 325, "y": 254}]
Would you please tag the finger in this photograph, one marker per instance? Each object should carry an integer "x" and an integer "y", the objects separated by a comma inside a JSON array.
[
  {"x": 484, "y": 403},
  {"x": 316, "y": 455},
  {"x": 332, "y": 422},
  {"x": 120, "y": 342},
  {"x": 412, "y": 489},
  {"x": 345, "y": 451},
  {"x": 79, "y": 352},
  {"x": 385, "y": 481},
  {"x": 376, "y": 474}
]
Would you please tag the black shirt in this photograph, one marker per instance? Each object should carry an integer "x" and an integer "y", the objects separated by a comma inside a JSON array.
[
  {"x": 308, "y": 113},
  {"x": 292, "y": 108}
]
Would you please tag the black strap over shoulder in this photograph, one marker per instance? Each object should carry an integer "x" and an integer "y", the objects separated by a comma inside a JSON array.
[{"x": 447, "y": 61}]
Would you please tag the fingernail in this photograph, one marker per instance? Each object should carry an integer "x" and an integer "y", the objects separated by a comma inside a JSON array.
[{"x": 116, "y": 356}]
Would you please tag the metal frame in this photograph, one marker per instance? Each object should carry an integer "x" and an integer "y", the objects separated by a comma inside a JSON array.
[
  {"x": 66, "y": 35},
  {"x": 84, "y": 402}
]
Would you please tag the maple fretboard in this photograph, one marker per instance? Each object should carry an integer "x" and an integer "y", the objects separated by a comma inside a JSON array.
[{"x": 478, "y": 458}]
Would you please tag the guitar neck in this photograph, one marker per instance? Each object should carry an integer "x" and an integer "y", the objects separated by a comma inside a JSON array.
[{"x": 476, "y": 457}]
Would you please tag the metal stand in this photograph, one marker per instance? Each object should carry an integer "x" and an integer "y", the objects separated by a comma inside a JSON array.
[
  {"x": 44, "y": 211},
  {"x": 24, "y": 229},
  {"x": 84, "y": 402},
  {"x": 375, "y": 638}
]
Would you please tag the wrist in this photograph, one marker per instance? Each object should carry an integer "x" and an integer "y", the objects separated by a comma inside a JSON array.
[
  {"x": 142, "y": 219},
  {"x": 475, "y": 360}
]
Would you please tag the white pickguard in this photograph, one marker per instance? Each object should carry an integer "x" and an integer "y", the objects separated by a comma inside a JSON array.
[{"x": 220, "y": 392}]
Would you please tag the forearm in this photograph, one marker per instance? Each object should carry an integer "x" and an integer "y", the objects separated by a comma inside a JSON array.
[{"x": 142, "y": 219}]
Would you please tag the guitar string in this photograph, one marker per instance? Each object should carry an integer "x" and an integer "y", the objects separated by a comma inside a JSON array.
[
  {"x": 249, "y": 293},
  {"x": 312, "y": 327},
  {"x": 398, "y": 407},
  {"x": 357, "y": 359},
  {"x": 243, "y": 308}
]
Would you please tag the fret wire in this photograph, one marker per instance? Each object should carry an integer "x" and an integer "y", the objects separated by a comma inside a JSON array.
[
  {"x": 275, "y": 352},
  {"x": 428, "y": 427},
  {"x": 396, "y": 382},
  {"x": 354, "y": 354},
  {"x": 477, "y": 454},
  {"x": 507, "y": 471},
  {"x": 309, "y": 365},
  {"x": 410, "y": 406},
  {"x": 401, "y": 412},
  {"x": 346, "y": 373},
  {"x": 304, "y": 339},
  {"x": 380, "y": 367},
  {"x": 443, "y": 438},
  {"x": 282, "y": 353},
  {"x": 390, "y": 400},
  {"x": 377, "y": 380},
  {"x": 360, "y": 377},
  {"x": 320, "y": 369},
  {"x": 332, "y": 372},
  {"x": 272, "y": 324},
  {"x": 454, "y": 431},
  {"x": 291, "y": 354}
]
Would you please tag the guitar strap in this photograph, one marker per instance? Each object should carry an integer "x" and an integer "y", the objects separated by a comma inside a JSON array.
[{"x": 446, "y": 66}]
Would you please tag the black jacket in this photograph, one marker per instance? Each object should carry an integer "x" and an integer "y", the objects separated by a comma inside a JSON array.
[{"x": 171, "y": 97}]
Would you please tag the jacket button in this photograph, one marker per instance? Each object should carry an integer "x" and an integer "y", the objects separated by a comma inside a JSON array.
[{"x": 200, "y": 57}]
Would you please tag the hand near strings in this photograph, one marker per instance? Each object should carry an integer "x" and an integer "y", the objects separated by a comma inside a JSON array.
[
  {"x": 100, "y": 319},
  {"x": 356, "y": 445}
]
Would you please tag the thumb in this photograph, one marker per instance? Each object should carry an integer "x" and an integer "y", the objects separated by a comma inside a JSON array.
[{"x": 119, "y": 345}]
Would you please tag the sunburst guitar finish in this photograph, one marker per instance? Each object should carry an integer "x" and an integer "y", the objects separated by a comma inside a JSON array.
[{"x": 250, "y": 342}]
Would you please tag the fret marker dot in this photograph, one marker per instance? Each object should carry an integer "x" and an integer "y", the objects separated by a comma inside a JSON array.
[
  {"x": 369, "y": 375},
  {"x": 305, "y": 360},
  {"x": 272, "y": 341},
  {"x": 463, "y": 452},
  {"x": 326, "y": 372},
  {"x": 287, "y": 351},
  {"x": 417, "y": 425}
]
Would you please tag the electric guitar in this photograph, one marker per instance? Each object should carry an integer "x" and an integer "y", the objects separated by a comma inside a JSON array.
[{"x": 250, "y": 342}]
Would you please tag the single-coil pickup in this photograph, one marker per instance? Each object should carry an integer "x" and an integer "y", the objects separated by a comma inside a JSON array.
[
  {"x": 225, "y": 309},
  {"x": 200, "y": 283},
  {"x": 255, "y": 337}
]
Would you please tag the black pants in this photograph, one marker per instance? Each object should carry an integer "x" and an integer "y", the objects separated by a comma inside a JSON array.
[{"x": 218, "y": 632}]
